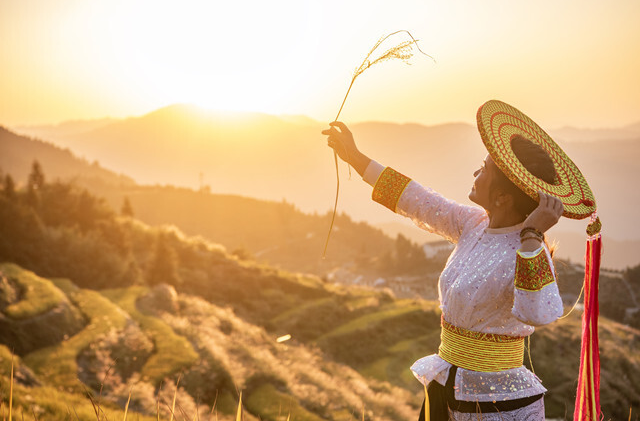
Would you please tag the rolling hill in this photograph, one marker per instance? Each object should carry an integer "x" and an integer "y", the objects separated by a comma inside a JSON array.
[
  {"x": 272, "y": 158},
  {"x": 277, "y": 232},
  {"x": 141, "y": 293}
]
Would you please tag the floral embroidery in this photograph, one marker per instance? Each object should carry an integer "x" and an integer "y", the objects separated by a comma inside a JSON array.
[
  {"x": 389, "y": 188},
  {"x": 533, "y": 273}
]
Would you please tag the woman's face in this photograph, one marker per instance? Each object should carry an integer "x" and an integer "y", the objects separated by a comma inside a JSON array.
[{"x": 481, "y": 189}]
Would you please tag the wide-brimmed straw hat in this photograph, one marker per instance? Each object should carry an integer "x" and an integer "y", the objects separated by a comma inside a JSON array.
[{"x": 498, "y": 123}]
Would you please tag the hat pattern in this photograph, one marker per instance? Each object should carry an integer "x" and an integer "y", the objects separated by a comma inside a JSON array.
[{"x": 498, "y": 123}]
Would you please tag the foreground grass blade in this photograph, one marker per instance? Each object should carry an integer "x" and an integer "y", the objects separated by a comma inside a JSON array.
[
  {"x": 126, "y": 408},
  {"x": 427, "y": 410},
  {"x": 239, "y": 414},
  {"x": 175, "y": 394},
  {"x": 11, "y": 389},
  {"x": 95, "y": 408}
]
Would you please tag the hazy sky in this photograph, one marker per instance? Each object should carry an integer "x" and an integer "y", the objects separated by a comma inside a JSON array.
[{"x": 562, "y": 62}]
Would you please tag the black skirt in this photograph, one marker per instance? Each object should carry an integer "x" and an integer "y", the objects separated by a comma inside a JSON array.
[{"x": 441, "y": 398}]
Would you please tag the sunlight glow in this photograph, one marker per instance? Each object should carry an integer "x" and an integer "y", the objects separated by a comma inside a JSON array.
[
  {"x": 73, "y": 59},
  {"x": 203, "y": 56}
]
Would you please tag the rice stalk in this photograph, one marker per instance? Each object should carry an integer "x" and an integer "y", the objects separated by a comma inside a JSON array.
[
  {"x": 76, "y": 412},
  {"x": 33, "y": 411},
  {"x": 11, "y": 389},
  {"x": 185, "y": 416},
  {"x": 175, "y": 394},
  {"x": 169, "y": 408},
  {"x": 102, "y": 383},
  {"x": 215, "y": 401},
  {"x": 427, "y": 408},
  {"x": 402, "y": 51},
  {"x": 126, "y": 407},
  {"x": 239, "y": 413},
  {"x": 197, "y": 415},
  {"x": 96, "y": 409}
]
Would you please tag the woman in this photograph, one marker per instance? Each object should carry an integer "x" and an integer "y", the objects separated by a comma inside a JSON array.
[{"x": 497, "y": 285}]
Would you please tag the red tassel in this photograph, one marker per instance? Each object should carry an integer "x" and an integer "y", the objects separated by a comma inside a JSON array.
[{"x": 588, "y": 394}]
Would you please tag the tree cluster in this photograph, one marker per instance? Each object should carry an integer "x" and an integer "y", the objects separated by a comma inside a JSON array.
[
  {"x": 68, "y": 233},
  {"x": 60, "y": 230},
  {"x": 407, "y": 258}
]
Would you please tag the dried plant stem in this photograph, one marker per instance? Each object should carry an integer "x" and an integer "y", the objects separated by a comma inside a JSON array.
[
  {"x": 335, "y": 159},
  {"x": 96, "y": 409},
  {"x": 175, "y": 394},
  {"x": 126, "y": 408},
  {"x": 239, "y": 415},
  {"x": 400, "y": 51},
  {"x": 11, "y": 389},
  {"x": 345, "y": 97},
  {"x": 214, "y": 406}
]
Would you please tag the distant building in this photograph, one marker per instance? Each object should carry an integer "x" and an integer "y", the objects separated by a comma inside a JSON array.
[{"x": 436, "y": 248}]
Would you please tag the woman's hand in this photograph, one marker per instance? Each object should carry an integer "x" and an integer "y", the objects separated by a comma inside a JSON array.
[
  {"x": 547, "y": 214},
  {"x": 341, "y": 141}
]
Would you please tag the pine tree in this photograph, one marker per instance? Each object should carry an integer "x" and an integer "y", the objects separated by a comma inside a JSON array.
[
  {"x": 127, "y": 209},
  {"x": 35, "y": 183},
  {"x": 132, "y": 274},
  {"x": 9, "y": 187},
  {"x": 36, "y": 178},
  {"x": 163, "y": 269}
]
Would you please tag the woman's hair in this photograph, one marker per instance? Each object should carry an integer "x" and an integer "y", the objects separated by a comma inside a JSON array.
[{"x": 536, "y": 160}]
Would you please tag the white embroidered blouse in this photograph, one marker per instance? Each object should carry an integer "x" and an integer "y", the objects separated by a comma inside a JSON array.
[{"x": 476, "y": 290}]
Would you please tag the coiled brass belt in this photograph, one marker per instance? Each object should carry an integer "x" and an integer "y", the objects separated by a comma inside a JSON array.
[{"x": 480, "y": 351}]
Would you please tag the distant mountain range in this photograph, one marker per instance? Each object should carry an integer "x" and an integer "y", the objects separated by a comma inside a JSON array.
[
  {"x": 574, "y": 134},
  {"x": 273, "y": 231},
  {"x": 17, "y": 154},
  {"x": 276, "y": 158}
]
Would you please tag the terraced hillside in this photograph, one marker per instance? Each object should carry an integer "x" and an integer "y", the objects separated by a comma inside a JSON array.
[
  {"x": 97, "y": 301},
  {"x": 132, "y": 343},
  {"x": 147, "y": 341}
]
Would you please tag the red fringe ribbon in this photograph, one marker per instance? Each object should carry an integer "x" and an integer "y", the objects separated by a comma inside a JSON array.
[{"x": 588, "y": 394}]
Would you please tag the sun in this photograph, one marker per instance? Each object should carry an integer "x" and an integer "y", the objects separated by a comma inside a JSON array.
[{"x": 214, "y": 55}]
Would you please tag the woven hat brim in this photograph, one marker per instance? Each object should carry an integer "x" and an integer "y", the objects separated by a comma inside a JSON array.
[{"x": 498, "y": 122}]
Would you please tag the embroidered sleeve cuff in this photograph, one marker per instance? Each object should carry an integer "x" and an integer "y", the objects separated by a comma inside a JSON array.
[
  {"x": 533, "y": 272},
  {"x": 389, "y": 187}
]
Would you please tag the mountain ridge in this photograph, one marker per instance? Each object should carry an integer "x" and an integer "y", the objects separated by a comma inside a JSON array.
[{"x": 294, "y": 164}]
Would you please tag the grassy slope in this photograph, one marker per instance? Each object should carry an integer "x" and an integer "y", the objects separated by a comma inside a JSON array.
[
  {"x": 39, "y": 295},
  {"x": 383, "y": 342},
  {"x": 172, "y": 352},
  {"x": 273, "y": 405},
  {"x": 102, "y": 315},
  {"x": 379, "y": 336},
  {"x": 555, "y": 353},
  {"x": 307, "y": 376},
  {"x": 48, "y": 402}
]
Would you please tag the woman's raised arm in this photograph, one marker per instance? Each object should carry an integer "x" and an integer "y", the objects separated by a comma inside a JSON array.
[{"x": 343, "y": 143}]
